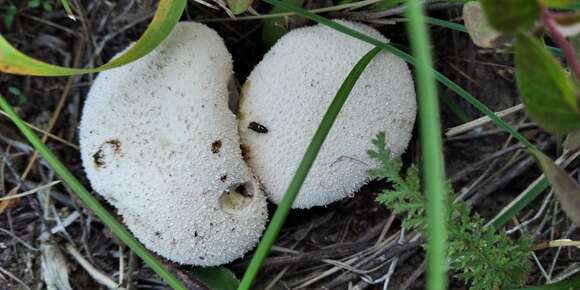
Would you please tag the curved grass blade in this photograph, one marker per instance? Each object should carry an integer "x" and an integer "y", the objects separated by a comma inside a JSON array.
[
  {"x": 570, "y": 284},
  {"x": 432, "y": 149},
  {"x": 446, "y": 24},
  {"x": 458, "y": 27},
  {"x": 515, "y": 206},
  {"x": 303, "y": 168},
  {"x": 89, "y": 200},
  {"x": 167, "y": 15},
  {"x": 409, "y": 59},
  {"x": 68, "y": 9}
]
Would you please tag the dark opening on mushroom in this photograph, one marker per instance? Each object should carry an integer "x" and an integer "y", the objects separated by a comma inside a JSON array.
[{"x": 236, "y": 198}]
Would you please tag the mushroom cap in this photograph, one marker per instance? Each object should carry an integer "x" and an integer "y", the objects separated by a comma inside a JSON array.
[
  {"x": 160, "y": 144},
  {"x": 288, "y": 93}
]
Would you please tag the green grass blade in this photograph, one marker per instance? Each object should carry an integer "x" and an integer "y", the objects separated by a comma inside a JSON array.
[
  {"x": 520, "y": 202},
  {"x": 432, "y": 148},
  {"x": 303, "y": 168},
  {"x": 409, "y": 59},
  {"x": 446, "y": 24},
  {"x": 67, "y": 8},
  {"x": 570, "y": 284},
  {"x": 166, "y": 17},
  {"x": 459, "y": 27},
  {"x": 87, "y": 198}
]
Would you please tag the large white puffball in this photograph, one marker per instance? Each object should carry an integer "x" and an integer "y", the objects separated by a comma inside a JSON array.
[
  {"x": 159, "y": 143},
  {"x": 289, "y": 91}
]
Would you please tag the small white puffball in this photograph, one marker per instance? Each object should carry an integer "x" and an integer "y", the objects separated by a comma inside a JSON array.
[
  {"x": 289, "y": 91},
  {"x": 159, "y": 143}
]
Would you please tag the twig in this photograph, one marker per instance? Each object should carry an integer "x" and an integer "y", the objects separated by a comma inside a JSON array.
[
  {"x": 130, "y": 268},
  {"x": 475, "y": 166},
  {"x": 50, "y": 135},
  {"x": 97, "y": 275},
  {"x": 416, "y": 274},
  {"x": 21, "y": 241},
  {"x": 454, "y": 131},
  {"x": 66, "y": 222},
  {"x": 33, "y": 191},
  {"x": 7, "y": 273}
]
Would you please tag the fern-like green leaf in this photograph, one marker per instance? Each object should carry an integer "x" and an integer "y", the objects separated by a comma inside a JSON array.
[{"x": 481, "y": 256}]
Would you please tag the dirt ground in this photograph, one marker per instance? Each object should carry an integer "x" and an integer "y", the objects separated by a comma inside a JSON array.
[{"x": 347, "y": 245}]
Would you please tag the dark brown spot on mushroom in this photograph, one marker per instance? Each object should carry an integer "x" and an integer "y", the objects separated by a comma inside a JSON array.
[
  {"x": 224, "y": 178},
  {"x": 257, "y": 127},
  {"x": 98, "y": 158},
  {"x": 216, "y": 146},
  {"x": 158, "y": 234},
  {"x": 115, "y": 144}
]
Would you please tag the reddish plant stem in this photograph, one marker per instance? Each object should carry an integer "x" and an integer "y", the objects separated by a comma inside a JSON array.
[{"x": 549, "y": 22}]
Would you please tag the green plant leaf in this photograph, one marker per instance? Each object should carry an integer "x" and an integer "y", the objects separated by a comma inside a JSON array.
[
  {"x": 565, "y": 188},
  {"x": 511, "y": 16},
  {"x": 239, "y": 6},
  {"x": 284, "y": 206},
  {"x": 274, "y": 28},
  {"x": 545, "y": 87},
  {"x": 89, "y": 200},
  {"x": 216, "y": 278},
  {"x": 167, "y": 14}
]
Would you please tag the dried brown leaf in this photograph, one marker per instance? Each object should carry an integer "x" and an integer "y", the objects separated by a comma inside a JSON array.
[
  {"x": 9, "y": 203},
  {"x": 565, "y": 188}
]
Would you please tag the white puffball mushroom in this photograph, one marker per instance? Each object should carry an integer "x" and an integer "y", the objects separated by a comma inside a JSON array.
[
  {"x": 160, "y": 144},
  {"x": 288, "y": 92}
]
